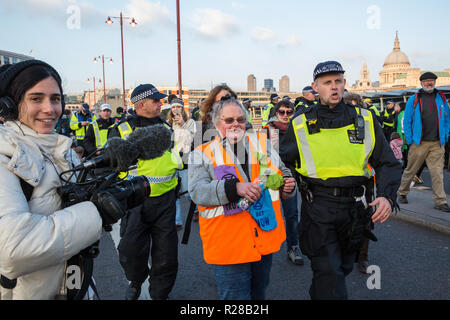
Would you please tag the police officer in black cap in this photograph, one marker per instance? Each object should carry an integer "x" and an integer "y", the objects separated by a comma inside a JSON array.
[
  {"x": 334, "y": 148},
  {"x": 151, "y": 226},
  {"x": 308, "y": 99}
]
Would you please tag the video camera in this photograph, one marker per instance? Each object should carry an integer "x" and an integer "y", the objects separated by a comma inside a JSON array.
[
  {"x": 111, "y": 195},
  {"x": 98, "y": 179}
]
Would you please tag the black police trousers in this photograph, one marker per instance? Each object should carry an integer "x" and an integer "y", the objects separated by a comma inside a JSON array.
[
  {"x": 150, "y": 228},
  {"x": 320, "y": 227}
]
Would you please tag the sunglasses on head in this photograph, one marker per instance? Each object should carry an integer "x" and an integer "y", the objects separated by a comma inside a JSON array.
[
  {"x": 228, "y": 96},
  {"x": 240, "y": 120},
  {"x": 286, "y": 112}
]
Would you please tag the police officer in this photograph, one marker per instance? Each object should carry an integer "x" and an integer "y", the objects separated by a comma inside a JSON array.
[
  {"x": 195, "y": 114},
  {"x": 388, "y": 118},
  {"x": 97, "y": 131},
  {"x": 374, "y": 108},
  {"x": 150, "y": 227},
  {"x": 247, "y": 103},
  {"x": 120, "y": 114},
  {"x": 268, "y": 111},
  {"x": 79, "y": 122},
  {"x": 331, "y": 146},
  {"x": 308, "y": 99}
]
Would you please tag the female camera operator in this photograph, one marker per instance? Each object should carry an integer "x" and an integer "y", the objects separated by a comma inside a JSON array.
[{"x": 37, "y": 236}]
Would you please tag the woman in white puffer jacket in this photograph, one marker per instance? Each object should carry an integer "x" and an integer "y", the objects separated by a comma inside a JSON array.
[{"x": 37, "y": 237}]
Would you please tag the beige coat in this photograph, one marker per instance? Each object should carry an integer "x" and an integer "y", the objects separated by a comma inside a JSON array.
[{"x": 38, "y": 237}]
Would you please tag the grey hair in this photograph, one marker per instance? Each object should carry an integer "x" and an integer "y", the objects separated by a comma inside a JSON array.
[{"x": 218, "y": 106}]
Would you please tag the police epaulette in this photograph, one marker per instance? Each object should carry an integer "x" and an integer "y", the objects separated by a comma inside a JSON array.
[{"x": 311, "y": 113}]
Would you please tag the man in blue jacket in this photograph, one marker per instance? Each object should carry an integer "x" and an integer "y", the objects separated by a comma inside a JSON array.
[{"x": 426, "y": 125}]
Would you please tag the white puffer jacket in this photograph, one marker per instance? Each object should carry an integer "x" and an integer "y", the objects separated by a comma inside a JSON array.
[{"x": 38, "y": 237}]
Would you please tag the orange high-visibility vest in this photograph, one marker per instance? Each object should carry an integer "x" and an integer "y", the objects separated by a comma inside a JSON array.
[
  {"x": 238, "y": 238},
  {"x": 270, "y": 130}
]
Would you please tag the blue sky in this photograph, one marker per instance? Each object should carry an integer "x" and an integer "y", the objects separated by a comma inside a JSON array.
[{"x": 224, "y": 41}]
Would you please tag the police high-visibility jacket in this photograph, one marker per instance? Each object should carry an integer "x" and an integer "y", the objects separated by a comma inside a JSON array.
[
  {"x": 389, "y": 118},
  {"x": 101, "y": 135},
  {"x": 266, "y": 113},
  {"x": 375, "y": 109},
  {"x": 334, "y": 153},
  {"x": 161, "y": 172},
  {"x": 249, "y": 116},
  {"x": 237, "y": 238},
  {"x": 75, "y": 124}
]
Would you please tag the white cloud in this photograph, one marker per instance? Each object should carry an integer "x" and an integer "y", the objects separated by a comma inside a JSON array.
[
  {"x": 35, "y": 6},
  {"x": 213, "y": 23},
  {"x": 263, "y": 34},
  {"x": 148, "y": 12},
  {"x": 291, "y": 40}
]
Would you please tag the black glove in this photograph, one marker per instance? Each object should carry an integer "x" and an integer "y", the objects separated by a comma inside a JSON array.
[{"x": 110, "y": 209}]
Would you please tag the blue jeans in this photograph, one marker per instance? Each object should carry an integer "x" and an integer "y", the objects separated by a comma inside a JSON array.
[
  {"x": 184, "y": 182},
  {"x": 178, "y": 217},
  {"x": 245, "y": 281},
  {"x": 290, "y": 211}
]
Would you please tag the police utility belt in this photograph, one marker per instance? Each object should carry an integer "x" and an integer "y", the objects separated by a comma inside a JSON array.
[{"x": 352, "y": 192}]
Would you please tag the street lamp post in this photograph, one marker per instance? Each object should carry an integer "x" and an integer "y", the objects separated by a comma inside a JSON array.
[
  {"x": 103, "y": 66},
  {"x": 95, "y": 100},
  {"x": 179, "y": 49},
  {"x": 133, "y": 24},
  {"x": 89, "y": 98}
]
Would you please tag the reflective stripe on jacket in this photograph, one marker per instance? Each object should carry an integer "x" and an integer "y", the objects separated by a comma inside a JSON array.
[
  {"x": 334, "y": 153},
  {"x": 386, "y": 114},
  {"x": 266, "y": 114},
  {"x": 101, "y": 135},
  {"x": 75, "y": 120},
  {"x": 237, "y": 238},
  {"x": 161, "y": 172}
]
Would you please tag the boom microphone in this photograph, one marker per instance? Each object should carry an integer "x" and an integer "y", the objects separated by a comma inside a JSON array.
[
  {"x": 145, "y": 143},
  {"x": 151, "y": 141}
]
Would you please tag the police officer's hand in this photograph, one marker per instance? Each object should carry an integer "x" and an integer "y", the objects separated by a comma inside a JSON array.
[
  {"x": 84, "y": 123},
  {"x": 249, "y": 191},
  {"x": 383, "y": 211},
  {"x": 289, "y": 185}
]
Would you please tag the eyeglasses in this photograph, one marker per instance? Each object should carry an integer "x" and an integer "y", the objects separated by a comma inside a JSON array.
[
  {"x": 286, "y": 113},
  {"x": 231, "y": 120}
]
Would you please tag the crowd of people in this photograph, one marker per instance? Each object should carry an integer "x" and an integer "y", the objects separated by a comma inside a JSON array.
[{"x": 349, "y": 163}]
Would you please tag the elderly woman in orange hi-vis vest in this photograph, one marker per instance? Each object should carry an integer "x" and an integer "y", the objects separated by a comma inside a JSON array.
[{"x": 237, "y": 181}]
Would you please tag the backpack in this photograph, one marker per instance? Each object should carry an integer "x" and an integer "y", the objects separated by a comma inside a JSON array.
[{"x": 418, "y": 96}]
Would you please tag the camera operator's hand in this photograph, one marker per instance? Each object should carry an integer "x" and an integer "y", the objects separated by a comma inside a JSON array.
[{"x": 110, "y": 209}]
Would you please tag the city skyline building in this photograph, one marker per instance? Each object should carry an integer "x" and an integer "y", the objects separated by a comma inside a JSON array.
[
  {"x": 251, "y": 83},
  {"x": 284, "y": 84},
  {"x": 268, "y": 86},
  {"x": 7, "y": 57}
]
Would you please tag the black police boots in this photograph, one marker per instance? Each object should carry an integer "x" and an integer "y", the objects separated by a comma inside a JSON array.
[{"x": 133, "y": 291}]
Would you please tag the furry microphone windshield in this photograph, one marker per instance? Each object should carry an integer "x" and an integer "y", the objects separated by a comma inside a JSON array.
[{"x": 151, "y": 142}]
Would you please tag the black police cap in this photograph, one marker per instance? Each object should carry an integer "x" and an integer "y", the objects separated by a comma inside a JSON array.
[
  {"x": 146, "y": 91},
  {"x": 327, "y": 67}
]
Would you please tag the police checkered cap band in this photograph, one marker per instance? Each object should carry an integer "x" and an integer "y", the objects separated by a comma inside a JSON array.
[
  {"x": 327, "y": 67},
  {"x": 144, "y": 95}
]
